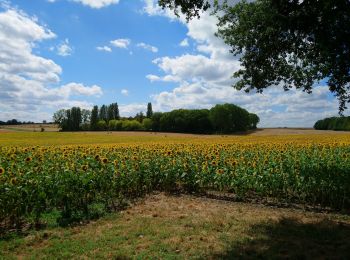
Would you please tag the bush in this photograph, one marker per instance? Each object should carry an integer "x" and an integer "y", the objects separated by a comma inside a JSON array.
[
  {"x": 131, "y": 125},
  {"x": 112, "y": 125},
  {"x": 147, "y": 124},
  {"x": 101, "y": 125}
]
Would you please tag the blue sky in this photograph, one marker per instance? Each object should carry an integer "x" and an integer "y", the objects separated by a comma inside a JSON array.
[{"x": 61, "y": 53}]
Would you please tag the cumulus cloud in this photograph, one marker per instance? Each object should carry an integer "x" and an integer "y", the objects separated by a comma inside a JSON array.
[
  {"x": 79, "y": 89},
  {"x": 167, "y": 78},
  {"x": 64, "y": 49},
  {"x": 104, "y": 48},
  {"x": 132, "y": 109},
  {"x": 124, "y": 92},
  {"x": 97, "y": 3},
  {"x": 29, "y": 84},
  {"x": 184, "y": 43},
  {"x": 147, "y": 47},
  {"x": 121, "y": 43}
]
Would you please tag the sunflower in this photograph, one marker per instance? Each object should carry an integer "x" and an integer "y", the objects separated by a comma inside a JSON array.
[
  {"x": 220, "y": 171},
  {"x": 13, "y": 181},
  {"x": 2, "y": 170},
  {"x": 104, "y": 160},
  {"x": 97, "y": 157},
  {"x": 28, "y": 159},
  {"x": 84, "y": 168}
]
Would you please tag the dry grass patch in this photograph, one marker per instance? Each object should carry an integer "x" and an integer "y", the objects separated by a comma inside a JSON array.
[{"x": 168, "y": 226}]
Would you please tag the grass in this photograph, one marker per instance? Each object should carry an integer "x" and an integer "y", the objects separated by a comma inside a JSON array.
[{"x": 178, "y": 227}]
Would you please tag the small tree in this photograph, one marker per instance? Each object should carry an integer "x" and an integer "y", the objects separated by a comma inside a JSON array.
[
  {"x": 59, "y": 117},
  {"x": 110, "y": 112},
  {"x": 103, "y": 114},
  {"x": 116, "y": 111},
  {"x": 149, "y": 110},
  {"x": 139, "y": 117},
  {"x": 94, "y": 118},
  {"x": 76, "y": 118},
  {"x": 85, "y": 115}
]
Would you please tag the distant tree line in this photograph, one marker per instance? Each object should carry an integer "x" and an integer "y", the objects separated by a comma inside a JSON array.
[
  {"x": 223, "y": 118},
  {"x": 334, "y": 123},
  {"x": 15, "y": 122}
]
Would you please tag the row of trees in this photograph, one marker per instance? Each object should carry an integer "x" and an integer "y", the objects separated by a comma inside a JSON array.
[
  {"x": 15, "y": 122},
  {"x": 103, "y": 118},
  {"x": 225, "y": 118},
  {"x": 334, "y": 123}
]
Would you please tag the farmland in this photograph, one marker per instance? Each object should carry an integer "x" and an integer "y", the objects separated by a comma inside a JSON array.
[{"x": 81, "y": 176}]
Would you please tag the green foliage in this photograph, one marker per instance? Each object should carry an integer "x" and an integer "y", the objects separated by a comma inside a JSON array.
[
  {"x": 225, "y": 118},
  {"x": 101, "y": 125},
  {"x": 85, "y": 115},
  {"x": 139, "y": 117},
  {"x": 131, "y": 125},
  {"x": 94, "y": 118},
  {"x": 113, "y": 112},
  {"x": 156, "y": 121},
  {"x": 103, "y": 113},
  {"x": 149, "y": 110},
  {"x": 147, "y": 124},
  {"x": 228, "y": 118},
  {"x": 85, "y": 127},
  {"x": 112, "y": 124},
  {"x": 68, "y": 120},
  {"x": 186, "y": 121},
  {"x": 190, "y": 8},
  {"x": 59, "y": 117},
  {"x": 333, "y": 123},
  {"x": 253, "y": 120}
]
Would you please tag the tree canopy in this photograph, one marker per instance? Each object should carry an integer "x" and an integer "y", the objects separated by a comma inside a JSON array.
[{"x": 290, "y": 43}]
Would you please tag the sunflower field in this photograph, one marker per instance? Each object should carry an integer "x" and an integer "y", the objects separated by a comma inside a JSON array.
[{"x": 76, "y": 179}]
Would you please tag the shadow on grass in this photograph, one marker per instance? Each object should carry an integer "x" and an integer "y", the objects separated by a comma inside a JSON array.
[{"x": 292, "y": 239}]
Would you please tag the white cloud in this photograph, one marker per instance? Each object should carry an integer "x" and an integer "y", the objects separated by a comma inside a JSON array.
[
  {"x": 121, "y": 43},
  {"x": 79, "y": 89},
  {"x": 152, "y": 8},
  {"x": 147, "y": 47},
  {"x": 167, "y": 78},
  {"x": 29, "y": 84},
  {"x": 104, "y": 48},
  {"x": 64, "y": 49},
  {"x": 124, "y": 92},
  {"x": 132, "y": 109},
  {"x": 97, "y": 3},
  {"x": 184, "y": 43}
]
